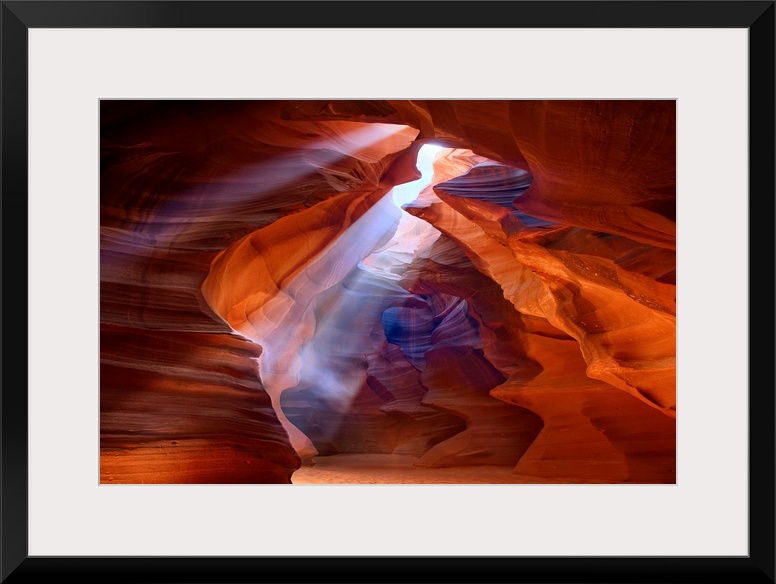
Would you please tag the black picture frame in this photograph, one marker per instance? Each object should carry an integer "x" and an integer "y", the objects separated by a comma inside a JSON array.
[{"x": 19, "y": 16}]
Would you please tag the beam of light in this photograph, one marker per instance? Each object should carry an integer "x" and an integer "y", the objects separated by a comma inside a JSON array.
[
  {"x": 286, "y": 320},
  {"x": 245, "y": 194}
]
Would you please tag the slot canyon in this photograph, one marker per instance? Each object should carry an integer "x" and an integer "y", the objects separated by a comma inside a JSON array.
[{"x": 395, "y": 291}]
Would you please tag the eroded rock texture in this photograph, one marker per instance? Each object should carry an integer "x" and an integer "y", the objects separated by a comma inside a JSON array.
[{"x": 264, "y": 300}]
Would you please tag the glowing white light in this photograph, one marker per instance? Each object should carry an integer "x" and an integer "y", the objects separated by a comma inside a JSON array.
[{"x": 408, "y": 192}]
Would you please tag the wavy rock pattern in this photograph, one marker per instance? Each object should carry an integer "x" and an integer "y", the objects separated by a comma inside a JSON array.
[{"x": 264, "y": 301}]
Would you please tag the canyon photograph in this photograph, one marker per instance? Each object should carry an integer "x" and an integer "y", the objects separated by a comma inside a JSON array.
[{"x": 321, "y": 292}]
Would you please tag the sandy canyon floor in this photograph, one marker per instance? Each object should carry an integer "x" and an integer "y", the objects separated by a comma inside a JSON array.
[{"x": 374, "y": 469}]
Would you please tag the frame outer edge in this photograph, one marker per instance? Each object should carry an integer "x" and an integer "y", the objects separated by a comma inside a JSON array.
[{"x": 13, "y": 391}]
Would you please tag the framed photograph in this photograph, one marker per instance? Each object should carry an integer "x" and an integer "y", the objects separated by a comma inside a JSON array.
[{"x": 312, "y": 291}]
